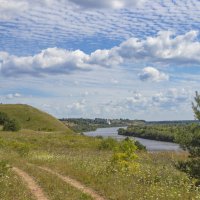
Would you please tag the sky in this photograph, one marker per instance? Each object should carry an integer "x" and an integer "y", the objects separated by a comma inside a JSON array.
[{"x": 136, "y": 59}]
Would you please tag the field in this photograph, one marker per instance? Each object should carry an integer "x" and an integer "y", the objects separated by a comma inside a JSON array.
[
  {"x": 79, "y": 157},
  {"x": 85, "y": 162}
]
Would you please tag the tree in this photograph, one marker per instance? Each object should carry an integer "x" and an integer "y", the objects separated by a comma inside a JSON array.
[
  {"x": 124, "y": 157},
  {"x": 11, "y": 125},
  {"x": 191, "y": 143},
  {"x": 196, "y": 106}
]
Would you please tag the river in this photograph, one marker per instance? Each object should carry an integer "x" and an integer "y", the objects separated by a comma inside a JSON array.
[{"x": 151, "y": 145}]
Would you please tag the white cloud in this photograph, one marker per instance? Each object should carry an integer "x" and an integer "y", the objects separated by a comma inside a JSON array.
[
  {"x": 77, "y": 108},
  {"x": 9, "y": 8},
  {"x": 49, "y": 61},
  {"x": 107, "y": 58},
  {"x": 114, "y": 81},
  {"x": 152, "y": 74},
  {"x": 136, "y": 102},
  {"x": 172, "y": 98},
  {"x": 163, "y": 49},
  {"x": 41, "y": 25},
  {"x": 11, "y": 96},
  {"x": 166, "y": 48},
  {"x": 111, "y": 4},
  {"x": 12, "y": 8},
  {"x": 17, "y": 95}
]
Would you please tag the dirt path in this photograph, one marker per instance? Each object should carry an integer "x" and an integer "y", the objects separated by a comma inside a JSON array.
[
  {"x": 75, "y": 184},
  {"x": 31, "y": 184}
]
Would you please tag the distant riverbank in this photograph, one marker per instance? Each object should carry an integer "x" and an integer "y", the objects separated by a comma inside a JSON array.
[{"x": 151, "y": 145}]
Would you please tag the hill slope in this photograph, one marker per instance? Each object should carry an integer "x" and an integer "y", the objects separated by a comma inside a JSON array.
[{"x": 32, "y": 118}]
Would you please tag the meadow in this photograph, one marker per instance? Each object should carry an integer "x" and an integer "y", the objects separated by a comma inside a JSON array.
[
  {"x": 81, "y": 157},
  {"x": 44, "y": 141}
]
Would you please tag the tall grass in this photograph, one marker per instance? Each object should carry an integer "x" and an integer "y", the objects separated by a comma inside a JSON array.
[{"x": 82, "y": 158}]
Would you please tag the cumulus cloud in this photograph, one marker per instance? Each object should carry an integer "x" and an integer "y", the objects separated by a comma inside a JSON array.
[
  {"x": 166, "y": 47},
  {"x": 56, "y": 61},
  {"x": 49, "y": 61},
  {"x": 107, "y": 58},
  {"x": 152, "y": 74},
  {"x": 12, "y": 96},
  {"x": 163, "y": 49},
  {"x": 111, "y": 4}
]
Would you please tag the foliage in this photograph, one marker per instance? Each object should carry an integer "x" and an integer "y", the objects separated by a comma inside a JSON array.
[
  {"x": 84, "y": 125},
  {"x": 8, "y": 124},
  {"x": 124, "y": 157},
  {"x": 3, "y": 118},
  {"x": 108, "y": 144},
  {"x": 160, "y": 132},
  {"x": 196, "y": 106},
  {"x": 140, "y": 146},
  {"x": 11, "y": 125},
  {"x": 191, "y": 142},
  {"x": 137, "y": 144}
]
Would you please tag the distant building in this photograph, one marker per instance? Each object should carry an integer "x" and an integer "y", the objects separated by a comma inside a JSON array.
[{"x": 108, "y": 122}]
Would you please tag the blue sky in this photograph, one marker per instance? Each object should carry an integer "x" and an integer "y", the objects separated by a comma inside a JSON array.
[{"x": 137, "y": 59}]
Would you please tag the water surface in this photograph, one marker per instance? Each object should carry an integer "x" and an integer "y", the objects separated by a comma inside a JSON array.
[{"x": 151, "y": 145}]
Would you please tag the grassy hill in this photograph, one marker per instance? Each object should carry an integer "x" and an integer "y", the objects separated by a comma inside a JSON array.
[{"x": 32, "y": 118}]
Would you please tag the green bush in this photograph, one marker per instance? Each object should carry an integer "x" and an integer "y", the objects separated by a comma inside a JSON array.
[
  {"x": 11, "y": 125},
  {"x": 108, "y": 144},
  {"x": 3, "y": 118},
  {"x": 137, "y": 144},
  {"x": 140, "y": 146},
  {"x": 124, "y": 157}
]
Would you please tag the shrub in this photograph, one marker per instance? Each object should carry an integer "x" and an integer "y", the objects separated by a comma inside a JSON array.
[
  {"x": 124, "y": 157},
  {"x": 11, "y": 125},
  {"x": 3, "y": 118},
  {"x": 108, "y": 144},
  {"x": 121, "y": 131},
  {"x": 140, "y": 146},
  {"x": 137, "y": 144}
]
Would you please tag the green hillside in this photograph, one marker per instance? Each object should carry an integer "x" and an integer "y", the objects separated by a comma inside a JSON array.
[{"x": 32, "y": 118}]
